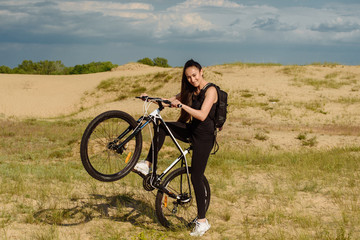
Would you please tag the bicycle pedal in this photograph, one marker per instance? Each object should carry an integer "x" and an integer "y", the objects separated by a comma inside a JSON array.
[{"x": 139, "y": 173}]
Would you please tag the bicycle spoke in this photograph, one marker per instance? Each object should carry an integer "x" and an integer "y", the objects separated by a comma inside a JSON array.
[
  {"x": 178, "y": 213},
  {"x": 102, "y": 158}
]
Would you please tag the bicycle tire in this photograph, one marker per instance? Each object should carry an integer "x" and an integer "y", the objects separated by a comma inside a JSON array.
[
  {"x": 101, "y": 162},
  {"x": 171, "y": 214}
]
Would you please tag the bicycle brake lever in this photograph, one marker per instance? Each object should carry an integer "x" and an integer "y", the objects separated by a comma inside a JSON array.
[
  {"x": 144, "y": 98},
  {"x": 167, "y": 102}
]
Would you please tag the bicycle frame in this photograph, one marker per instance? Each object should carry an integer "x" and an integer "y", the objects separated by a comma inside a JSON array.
[{"x": 156, "y": 119}]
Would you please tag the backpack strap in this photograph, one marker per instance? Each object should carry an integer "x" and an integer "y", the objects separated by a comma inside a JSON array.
[
  {"x": 216, "y": 145},
  {"x": 204, "y": 89},
  {"x": 207, "y": 86},
  {"x": 217, "y": 90}
]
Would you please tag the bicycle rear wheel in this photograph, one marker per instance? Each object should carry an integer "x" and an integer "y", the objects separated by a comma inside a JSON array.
[
  {"x": 173, "y": 213},
  {"x": 98, "y": 149}
]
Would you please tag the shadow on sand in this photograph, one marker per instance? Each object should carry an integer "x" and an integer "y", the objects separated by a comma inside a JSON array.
[{"x": 122, "y": 208}]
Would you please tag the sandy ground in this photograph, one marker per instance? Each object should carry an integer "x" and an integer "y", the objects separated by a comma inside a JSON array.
[
  {"x": 269, "y": 107},
  {"x": 39, "y": 96},
  {"x": 273, "y": 102}
]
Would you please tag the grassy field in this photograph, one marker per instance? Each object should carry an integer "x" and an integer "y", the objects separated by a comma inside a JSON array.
[
  {"x": 288, "y": 165},
  {"x": 257, "y": 194}
]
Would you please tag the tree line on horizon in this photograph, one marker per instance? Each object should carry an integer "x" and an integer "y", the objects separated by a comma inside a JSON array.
[
  {"x": 47, "y": 67},
  {"x": 56, "y": 68}
]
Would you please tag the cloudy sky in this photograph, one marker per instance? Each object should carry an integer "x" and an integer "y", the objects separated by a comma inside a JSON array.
[{"x": 210, "y": 31}]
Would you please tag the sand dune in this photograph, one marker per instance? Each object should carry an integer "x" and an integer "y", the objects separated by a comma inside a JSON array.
[
  {"x": 39, "y": 96},
  {"x": 275, "y": 102}
]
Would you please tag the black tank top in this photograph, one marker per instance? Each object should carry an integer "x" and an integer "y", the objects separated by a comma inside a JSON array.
[{"x": 208, "y": 125}]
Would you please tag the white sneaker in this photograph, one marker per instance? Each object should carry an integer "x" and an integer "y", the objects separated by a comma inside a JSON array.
[
  {"x": 142, "y": 168},
  {"x": 200, "y": 228}
]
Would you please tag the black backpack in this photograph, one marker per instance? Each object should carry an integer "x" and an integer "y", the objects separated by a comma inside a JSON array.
[{"x": 221, "y": 107}]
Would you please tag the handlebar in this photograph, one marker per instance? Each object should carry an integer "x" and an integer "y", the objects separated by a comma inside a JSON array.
[{"x": 157, "y": 100}]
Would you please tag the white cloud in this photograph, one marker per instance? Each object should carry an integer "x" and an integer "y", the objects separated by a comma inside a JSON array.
[
  {"x": 123, "y": 10},
  {"x": 20, "y": 2},
  {"x": 209, "y": 3},
  {"x": 170, "y": 23},
  {"x": 13, "y": 15},
  {"x": 193, "y": 20},
  {"x": 221, "y": 22},
  {"x": 272, "y": 24},
  {"x": 195, "y": 16},
  {"x": 102, "y": 6},
  {"x": 337, "y": 25},
  {"x": 228, "y": 21}
]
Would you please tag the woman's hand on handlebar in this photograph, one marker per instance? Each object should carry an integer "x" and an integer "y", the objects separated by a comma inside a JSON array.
[
  {"x": 176, "y": 103},
  {"x": 144, "y": 96}
]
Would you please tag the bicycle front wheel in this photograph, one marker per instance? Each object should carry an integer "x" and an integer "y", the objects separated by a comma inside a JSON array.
[
  {"x": 100, "y": 154},
  {"x": 179, "y": 213}
]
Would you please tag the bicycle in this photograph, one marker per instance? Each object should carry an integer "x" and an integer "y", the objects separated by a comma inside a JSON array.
[{"x": 111, "y": 146}]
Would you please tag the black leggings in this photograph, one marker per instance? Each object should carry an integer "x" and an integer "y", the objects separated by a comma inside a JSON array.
[{"x": 202, "y": 144}]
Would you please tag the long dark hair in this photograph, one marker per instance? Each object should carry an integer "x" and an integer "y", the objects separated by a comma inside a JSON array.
[{"x": 187, "y": 90}]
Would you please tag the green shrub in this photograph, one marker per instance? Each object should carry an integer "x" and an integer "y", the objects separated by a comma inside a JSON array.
[
  {"x": 158, "y": 61},
  {"x": 161, "y": 62},
  {"x": 261, "y": 136},
  {"x": 325, "y": 64},
  {"x": 311, "y": 142},
  {"x": 92, "y": 67},
  {"x": 5, "y": 69},
  {"x": 146, "y": 61},
  {"x": 42, "y": 67},
  {"x": 305, "y": 141},
  {"x": 301, "y": 136}
]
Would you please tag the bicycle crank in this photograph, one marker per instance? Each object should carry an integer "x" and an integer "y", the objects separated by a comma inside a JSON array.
[{"x": 147, "y": 183}]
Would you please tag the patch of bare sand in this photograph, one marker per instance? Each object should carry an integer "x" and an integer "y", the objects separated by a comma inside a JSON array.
[
  {"x": 302, "y": 101},
  {"x": 40, "y": 96}
]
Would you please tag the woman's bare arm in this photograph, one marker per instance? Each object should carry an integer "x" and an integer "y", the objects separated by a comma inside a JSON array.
[{"x": 210, "y": 99}]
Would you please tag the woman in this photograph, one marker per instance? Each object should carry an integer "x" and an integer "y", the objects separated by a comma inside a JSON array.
[{"x": 195, "y": 123}]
